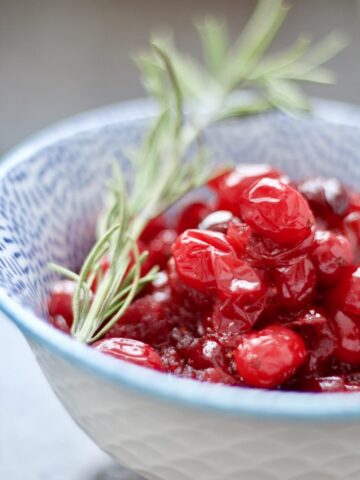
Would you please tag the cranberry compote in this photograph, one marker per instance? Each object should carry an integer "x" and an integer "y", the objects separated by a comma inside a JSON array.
[{"x": 259, "y": 286}]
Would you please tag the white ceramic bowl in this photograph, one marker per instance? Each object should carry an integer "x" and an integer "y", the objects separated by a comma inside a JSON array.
[{"x": 163, "y": 427}]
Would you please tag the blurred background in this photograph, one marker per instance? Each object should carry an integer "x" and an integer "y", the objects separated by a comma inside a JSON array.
[{"x": 60, "y": 57}]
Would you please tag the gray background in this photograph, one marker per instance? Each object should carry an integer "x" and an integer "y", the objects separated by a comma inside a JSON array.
[{"x": 59, "y": 57}]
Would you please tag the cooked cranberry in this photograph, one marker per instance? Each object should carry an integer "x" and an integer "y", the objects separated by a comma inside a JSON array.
[
  {"x": 204, "y": 352},
  {"x": 277, "y": 211},
  {"x": 193, "y": 253},
  {"x": 231, "y": 184},
  {"x": 331, "y": 253},
  {"x": 192, "y": 215},
  {"x": 268, "y": 358},
  {"x": 131, "y": 351},
  {"x": 153, "y": 227},
  {"x": 171, "y": 360},
  {"x": 59, "y": 323},
  {"x": 323, "y": 384},
  {"x": 351, "y": 226},
  {"x": 236, "y": 279},
  {"x": 346, "y": 296},
  {"x": 325, "y": 195},
  {"x": 354, "y": 201},
  {"x": 296, "y": 283},
  {"x": 60, "y": 301},
  {"x": 217, "y": 221},
  {"x": 217, "y": 375},
  {"x": 347, "y": 330},
  {"x": 232, "y": 318},
  {"x": 238, "y": 235},
  {"x": 160, "y": 247},
  {"x": 319, "y": 338},
  {"x": 264, "y": 252},
  {"x": 147, "y": 319}
]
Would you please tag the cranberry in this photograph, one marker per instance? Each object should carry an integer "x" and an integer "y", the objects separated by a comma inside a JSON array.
[
  {"x": 268, "y": 358},
  {"x": 147, "y": 319},
  {"x": 296, "y": 283},
  {"x": 230, "y": 185},
  {"x": 347, "y": 330},
  {"x": 319, "y": 338},
  {"x": 325, "y": 196},
  {"x": 193, "y": 253},
  {"x": 238, "y": 235},
  {"x": 217, "y": 221},
  {"x": 236, "y": 279},
  {"x": 232, "y": 318},
  {"x": 171, "y": 360},
  {"x": 204, "y": 352},
  {"x": 217, "y": 375},
  {"x": 131, "y": 351},
  {"x": 160, "y": 248},
  {"x": 153, "y": 227},
  {"x": 60, "y": 323},
  {"x": 60, "y": 301},
  {"x": 276, "y": 211},
  {"x": 351, "y": 227},
  {"x": 346, "y": 296},
  {"x": 331, "y": 253},
  {"x": 323, "y": 384},
  {"x": 192, "y": 215}
]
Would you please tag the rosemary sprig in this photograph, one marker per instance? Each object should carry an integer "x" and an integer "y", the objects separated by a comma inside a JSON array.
[{"x": 173, "y": 158}]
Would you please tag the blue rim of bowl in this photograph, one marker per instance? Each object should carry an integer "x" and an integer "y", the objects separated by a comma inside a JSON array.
[{"x": 181, "y": 391}]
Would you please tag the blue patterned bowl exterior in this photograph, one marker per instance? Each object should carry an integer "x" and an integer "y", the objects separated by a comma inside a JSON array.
[{"x": 51, "y": 191}]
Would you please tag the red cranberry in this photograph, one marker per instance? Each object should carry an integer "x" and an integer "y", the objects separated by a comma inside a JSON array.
[
  {"x": 296, "y": 283},
  {"x": 60, "y": 323},
  {"x": 160, "y": 248},
  {"x": 325, "y": 196},
  {"x": 217, "y": 221},
  {"x": 238, "y": 235},
  {"x": 192, "y": 215},
  {"x": 331, "y": 253},
  {"x": 217, "y": 375},
  {"x": 323, "y": 384},
  {"x": 153, "y": 227},
  {"x": 347, "y": 330},
  {"x": 231, "y": 184},
  {"x": 268, "y": 358},
  {"x": 131, "y": 351},
  {"x": 193, "y": 254},
  {"x": 319, "y": 338},
  {"x": 236, "y": 279},
  {"x": 346, "y": 296},
  {"x": 352, "y": 231},
  {"x": 147, "y": 319},
  {"x": 232, "y": 318},
  {"x": 203, "y": 353},
  {"x": 60, "y": 301},
  {"x": 276, "y": 211}
]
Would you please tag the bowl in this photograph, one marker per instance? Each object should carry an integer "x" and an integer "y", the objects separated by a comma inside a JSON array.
[{"x": 161, "y": 426}]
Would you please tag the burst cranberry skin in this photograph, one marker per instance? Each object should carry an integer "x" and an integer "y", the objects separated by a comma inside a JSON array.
[
  {"x": 347, "y": 330},
  {"x": 277, "y": 211},
  {"x": 238, "y": 235},
  {"x": 346, "y": 296},
  {"x": 231, "y": 184},
  {"x": 193, "y": 252},
  {"x": 351, "y": 227},
  {"x": 60, "y": 301},
  {"x": 131, "y": 351},
  {"x": 192, "y": 215},
  {"x": 268, "y": 358},
  {"x": 296, "y": 283},
  {"x": 204, "y": 353},
  {"x": 331, "y": 253}
]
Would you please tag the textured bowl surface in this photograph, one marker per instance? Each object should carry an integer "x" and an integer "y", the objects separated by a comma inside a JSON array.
[{"x": 165, "y": 427}]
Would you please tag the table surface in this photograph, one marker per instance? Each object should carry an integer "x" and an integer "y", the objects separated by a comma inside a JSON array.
[{"x": 38, "y": 439}]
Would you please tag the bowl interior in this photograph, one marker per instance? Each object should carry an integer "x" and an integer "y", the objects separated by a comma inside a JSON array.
[{"x": 51, "y": 198}]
